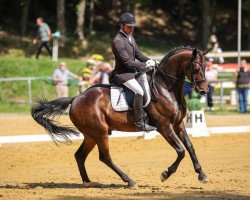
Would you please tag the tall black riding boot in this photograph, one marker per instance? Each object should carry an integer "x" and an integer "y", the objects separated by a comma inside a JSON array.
[{"x": 139, "y": 115}]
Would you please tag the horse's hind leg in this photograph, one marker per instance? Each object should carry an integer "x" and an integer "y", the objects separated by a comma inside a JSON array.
[
  {"x": 81, "y": 155},
  {"x": 172, "y": 139},
  {"x": 183, "y": 136},
  {"x": 104, "y": 156}
]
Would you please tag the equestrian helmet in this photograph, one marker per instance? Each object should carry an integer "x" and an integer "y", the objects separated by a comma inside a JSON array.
[{"x": 127, "y": 18}]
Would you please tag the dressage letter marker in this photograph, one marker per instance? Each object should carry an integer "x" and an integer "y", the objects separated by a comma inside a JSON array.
[{"x": 195, "y": 124}]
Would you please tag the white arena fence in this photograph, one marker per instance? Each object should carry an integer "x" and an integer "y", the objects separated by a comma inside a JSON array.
[
  {"x": 118, "y": 134},
  {"x": 29, "y": 82}
]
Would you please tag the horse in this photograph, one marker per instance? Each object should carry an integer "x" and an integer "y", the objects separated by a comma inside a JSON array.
[{"x": 92, "y": 114}]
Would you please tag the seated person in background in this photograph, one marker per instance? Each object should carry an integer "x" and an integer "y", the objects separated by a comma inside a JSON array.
[
  {"x": 215, "y": 47},
  {"x": 102, "y": 76},
  {"x": 84, "y": 79},
  {"x": 96, "y": 62}
]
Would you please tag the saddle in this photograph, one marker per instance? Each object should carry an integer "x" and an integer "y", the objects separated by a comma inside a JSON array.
[{"x": 122, "y": 98}]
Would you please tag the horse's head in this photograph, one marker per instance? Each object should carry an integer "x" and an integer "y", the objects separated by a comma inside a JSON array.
[
  {"x": 195, "y": 71},
  {"x": 187, "y": 62}
]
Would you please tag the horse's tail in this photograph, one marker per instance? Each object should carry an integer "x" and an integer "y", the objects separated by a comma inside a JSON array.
[{"x": 44, "y": 112}]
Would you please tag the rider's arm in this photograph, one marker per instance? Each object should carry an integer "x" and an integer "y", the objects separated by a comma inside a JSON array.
[{"x": 121, "y": 51}]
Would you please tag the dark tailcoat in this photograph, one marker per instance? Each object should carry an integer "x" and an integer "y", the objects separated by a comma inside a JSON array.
[{"x": 128, "y": 58}]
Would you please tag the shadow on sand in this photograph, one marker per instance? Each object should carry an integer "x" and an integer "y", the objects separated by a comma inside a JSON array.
[
  {"x": 51, "y": 185},
  {"x": 161, "y": 195},
  {"x": 119, "y": 191}
]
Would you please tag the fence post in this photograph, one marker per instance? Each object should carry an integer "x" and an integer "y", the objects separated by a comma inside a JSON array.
[
  {"x": 221, "y": 95},
  {"x": 29, "y": 91}
]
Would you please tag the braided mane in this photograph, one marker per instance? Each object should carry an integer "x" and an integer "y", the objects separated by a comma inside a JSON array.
[{"x": 173, "y": 51}]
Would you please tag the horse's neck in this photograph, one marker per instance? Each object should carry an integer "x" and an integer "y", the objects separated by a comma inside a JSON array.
[
  {"x": 174, "y": 67},
  {"x": 171, "y": 86}
]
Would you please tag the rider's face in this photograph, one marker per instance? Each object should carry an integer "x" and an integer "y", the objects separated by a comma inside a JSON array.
[{"x": 128, "y": 29}]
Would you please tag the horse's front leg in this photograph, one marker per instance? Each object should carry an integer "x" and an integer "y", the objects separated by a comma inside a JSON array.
[
  {"x": 183, "y": 136},
  {"x": 170, "y": 135}
]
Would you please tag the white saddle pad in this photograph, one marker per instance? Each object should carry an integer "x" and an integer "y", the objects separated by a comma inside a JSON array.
[{"x": 118, "y": 98}]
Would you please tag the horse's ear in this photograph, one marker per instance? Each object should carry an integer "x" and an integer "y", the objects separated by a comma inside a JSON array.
[
  {"x": 194, "y": 54},
  {"x": 205, "y": 52}
]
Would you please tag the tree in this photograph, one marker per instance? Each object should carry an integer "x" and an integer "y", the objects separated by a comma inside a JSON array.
[
  {"x": 80, "y": 20},
  {"x": 61, "y": 17},
  {"x": 206, "y": 22},
  {"x": 91, "y": 18},
  {"x": 246, "y": 22},
  {"x": 24, "y": 17}
]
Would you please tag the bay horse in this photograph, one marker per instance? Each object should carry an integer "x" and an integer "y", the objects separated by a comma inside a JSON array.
[{"x": 92, "y": 114}]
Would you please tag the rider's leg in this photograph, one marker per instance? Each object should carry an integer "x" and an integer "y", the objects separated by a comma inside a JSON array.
[
  {"x": 138, "y": 105},
  {"x": 146, "y": 88}
]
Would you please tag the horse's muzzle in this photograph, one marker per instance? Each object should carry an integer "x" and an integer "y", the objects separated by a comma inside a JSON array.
[{"x": 202, "y": 92}]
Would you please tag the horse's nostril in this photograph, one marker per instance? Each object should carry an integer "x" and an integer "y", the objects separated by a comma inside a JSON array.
[{"x": 202, "y": 92}]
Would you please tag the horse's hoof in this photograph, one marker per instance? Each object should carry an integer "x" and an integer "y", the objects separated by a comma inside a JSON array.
[
  {"x": 202, "y": 178},
  {"x": 91, "y": 184},
  {"x": 132, "y": 186},
  {"x": 164, "y": 176}
]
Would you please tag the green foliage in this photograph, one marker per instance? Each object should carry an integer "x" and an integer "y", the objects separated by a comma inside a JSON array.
[
  {"x": 14, "y": 108},
  {"x": 195, "y": 95},
  {"x": 194, "y": 104}
]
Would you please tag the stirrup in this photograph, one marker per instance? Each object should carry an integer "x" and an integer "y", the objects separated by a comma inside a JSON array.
[{"x": 141, "y": 126}]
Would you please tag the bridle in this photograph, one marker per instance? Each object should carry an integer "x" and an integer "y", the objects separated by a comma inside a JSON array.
[
  {"x": 202, "y": 68},
  {"x": 194, "y": 81},
  {"x": 164, "y": 74}
]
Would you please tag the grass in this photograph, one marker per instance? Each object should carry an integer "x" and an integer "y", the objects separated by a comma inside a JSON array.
[
  {"x": 14, "y": 108},
  {"x": 12, "y": 66},
  {"x": 14, "y": 94}
]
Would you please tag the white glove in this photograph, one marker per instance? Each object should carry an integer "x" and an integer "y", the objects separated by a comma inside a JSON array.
[{"x": 150, "y": 63}]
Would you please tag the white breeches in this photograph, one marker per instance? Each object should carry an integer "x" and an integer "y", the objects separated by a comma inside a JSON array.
[{"x": 133, "y": 85}]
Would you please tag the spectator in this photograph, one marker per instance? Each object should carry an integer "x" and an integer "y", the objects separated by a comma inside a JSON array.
[
  {"x": 100, "y": 70},
  {"x": 211, "y": 76},
  {"x": 60, "y": 78},
  {"x": 102, "y": 76},
  {"x": 96, "y": 62},
  {"x": 188, "y": 90},
  {"x": 84, "y": 80},
  {"x": 215, "y": 46},
  {"x": 44, "y": 36},
  {"x": 242, "y": 85}
]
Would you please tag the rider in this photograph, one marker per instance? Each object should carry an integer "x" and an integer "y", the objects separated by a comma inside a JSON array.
[{"x": 129, "y": 62}]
